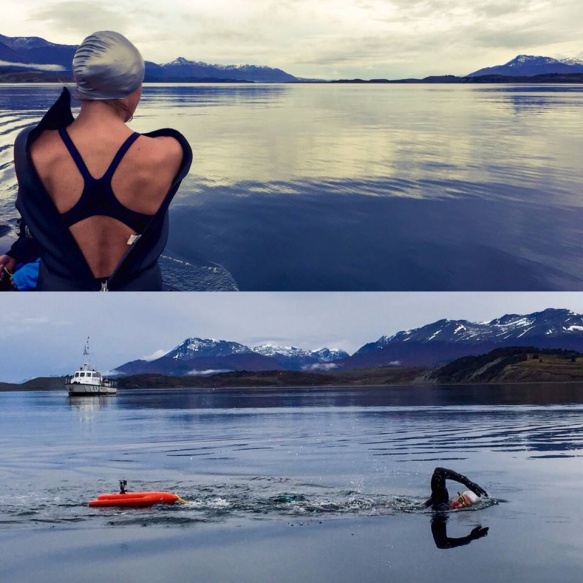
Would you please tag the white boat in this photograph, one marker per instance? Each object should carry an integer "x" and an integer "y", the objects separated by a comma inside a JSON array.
[{"x": 87, "y": 381}]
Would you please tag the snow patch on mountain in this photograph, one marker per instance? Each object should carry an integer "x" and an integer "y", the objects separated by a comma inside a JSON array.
[
  {"x": 321, "y": 354},
  {"x": 549, "y": 322},
  {"x": 193, "y": 347},
  {"x": 529, "y": 65},
  {"x": 271, "y": 350}
]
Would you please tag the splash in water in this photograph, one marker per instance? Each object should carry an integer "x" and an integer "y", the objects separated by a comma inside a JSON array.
[{"x": 253, "y": 499}]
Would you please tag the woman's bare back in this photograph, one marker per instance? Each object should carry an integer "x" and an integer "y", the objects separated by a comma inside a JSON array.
[{"x": 140, "y": 183}]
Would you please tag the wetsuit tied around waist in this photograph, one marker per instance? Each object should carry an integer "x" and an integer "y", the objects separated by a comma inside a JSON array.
[{"x": 98, "y": 197}]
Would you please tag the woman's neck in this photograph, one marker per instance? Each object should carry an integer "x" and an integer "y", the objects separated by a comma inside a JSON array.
[{"x": 100, "y": 112}]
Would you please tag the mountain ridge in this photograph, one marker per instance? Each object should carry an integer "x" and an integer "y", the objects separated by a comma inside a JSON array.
[
  {"x": 430, "y": 345},
  {"x": 530, "y": 65},
  {"x": 502, "y": 366},
  {"x": 30, "y": 53}
]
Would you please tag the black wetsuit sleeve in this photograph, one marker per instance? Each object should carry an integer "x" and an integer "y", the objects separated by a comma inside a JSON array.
[{"x": 439, "y": 493}]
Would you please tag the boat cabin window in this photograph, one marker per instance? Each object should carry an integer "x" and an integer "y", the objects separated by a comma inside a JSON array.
[{"x": 76, "y": 374}]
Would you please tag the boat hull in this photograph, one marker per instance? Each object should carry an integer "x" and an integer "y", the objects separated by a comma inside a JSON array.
[{"x": 83, "y": 390}]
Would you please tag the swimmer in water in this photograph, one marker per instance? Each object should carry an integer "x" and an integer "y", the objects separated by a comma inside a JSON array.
[{"x": 439, "y": 499}]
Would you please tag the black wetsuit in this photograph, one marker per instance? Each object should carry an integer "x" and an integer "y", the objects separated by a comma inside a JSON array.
[
  {"x": 63, "y": 266},
  {"x": 26, "y": 248},
  {"x": 439, "y": 499}
]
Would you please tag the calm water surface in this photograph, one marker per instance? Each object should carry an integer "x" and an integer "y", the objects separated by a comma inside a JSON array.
[
  {"x": 344, "y": 187},
  {"x": 291, "y": 485}
]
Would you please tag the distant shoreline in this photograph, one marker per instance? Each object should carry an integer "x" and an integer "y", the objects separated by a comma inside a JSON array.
[
  {"x": 24, "y": 77},
  {"x": 249, "y": 382}
]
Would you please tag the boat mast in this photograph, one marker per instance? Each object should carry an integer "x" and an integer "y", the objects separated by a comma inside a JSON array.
[{"x": 86, "y": 354}]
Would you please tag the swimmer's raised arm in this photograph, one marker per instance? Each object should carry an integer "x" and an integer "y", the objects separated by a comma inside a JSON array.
[
  {"x": 439, "y": 493},
  {"x": 452, "y": 475}
]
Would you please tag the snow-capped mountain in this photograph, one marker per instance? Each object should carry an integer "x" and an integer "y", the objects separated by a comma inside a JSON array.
[
  {"x": 446, "y": 340},
  {"x": 429, "y": 345},
  {"x": 572, "y": 61},
  {"x": 24, "y": 43},
  {"x": 330, "y": 354},
  {"x": 528, "y": 66},
  {"x": 293, "y": 358},
  {"x": 550, "y": 323},
  {"x": 196, "y": 355},
  {"x": 25, "y": 52},
  {"x": 182, "y": 68},
  {"x": 35, "y": 50},
  {"x": 193, "y": 348}
]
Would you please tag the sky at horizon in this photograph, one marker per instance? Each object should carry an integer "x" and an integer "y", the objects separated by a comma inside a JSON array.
[
  {"x": 44, "y": 334},
  {"x": 328, "y": 39}
]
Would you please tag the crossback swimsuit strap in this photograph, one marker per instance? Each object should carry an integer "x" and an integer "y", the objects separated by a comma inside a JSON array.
[{"x": 98, "y": 197}]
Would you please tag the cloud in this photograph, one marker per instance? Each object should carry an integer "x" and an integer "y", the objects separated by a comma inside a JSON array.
[
  {"x": 321, "y": 367},
  {"x": 155, "y": 355},
  {"x": 206, "y": 373},
  {"x": 385, "y": 38},
  {"x": 81, "y": 17},
  {"x": 33, "y": 66}
]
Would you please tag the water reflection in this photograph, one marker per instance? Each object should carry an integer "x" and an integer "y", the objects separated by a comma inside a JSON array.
[
  {"x": 87, "y": 408},
  {"x": 405, "y": 398},
  {"x": 386, "y": 423},
  {"x": 209, "y": 95},
  {"x": 443, "y": 541},
  {"x": 336, "y": 187},
  {"x": 348, "y": 242}
]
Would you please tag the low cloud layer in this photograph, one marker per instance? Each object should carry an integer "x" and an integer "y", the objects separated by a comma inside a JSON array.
[{"x": 40, "y": 67}]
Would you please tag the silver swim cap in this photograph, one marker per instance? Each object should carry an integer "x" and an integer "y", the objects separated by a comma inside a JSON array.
[
  {"x": 107, "y": 66},
  {"x": 473, "y": 497}
]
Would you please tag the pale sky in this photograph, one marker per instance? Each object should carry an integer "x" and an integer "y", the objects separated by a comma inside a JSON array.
[
  {"x": 318, "y": 38},
  {"x": 44, "y": 333}
]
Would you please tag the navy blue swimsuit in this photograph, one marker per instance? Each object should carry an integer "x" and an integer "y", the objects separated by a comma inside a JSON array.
[{"x": 98, "y": 197}]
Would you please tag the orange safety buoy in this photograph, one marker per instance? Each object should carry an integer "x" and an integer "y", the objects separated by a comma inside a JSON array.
[{"x": 135, "y": 499}]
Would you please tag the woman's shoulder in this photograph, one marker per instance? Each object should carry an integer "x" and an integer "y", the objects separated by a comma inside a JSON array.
[
  {"x": 29, "y": 140},
  {"x": 170, "y": 143}
]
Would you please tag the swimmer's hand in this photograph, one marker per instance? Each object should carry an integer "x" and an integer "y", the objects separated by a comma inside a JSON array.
[
  {"x": 7, "y": 265},
  {"x": 478, "y": 490},
  {"x": 479, "y": 532}
]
